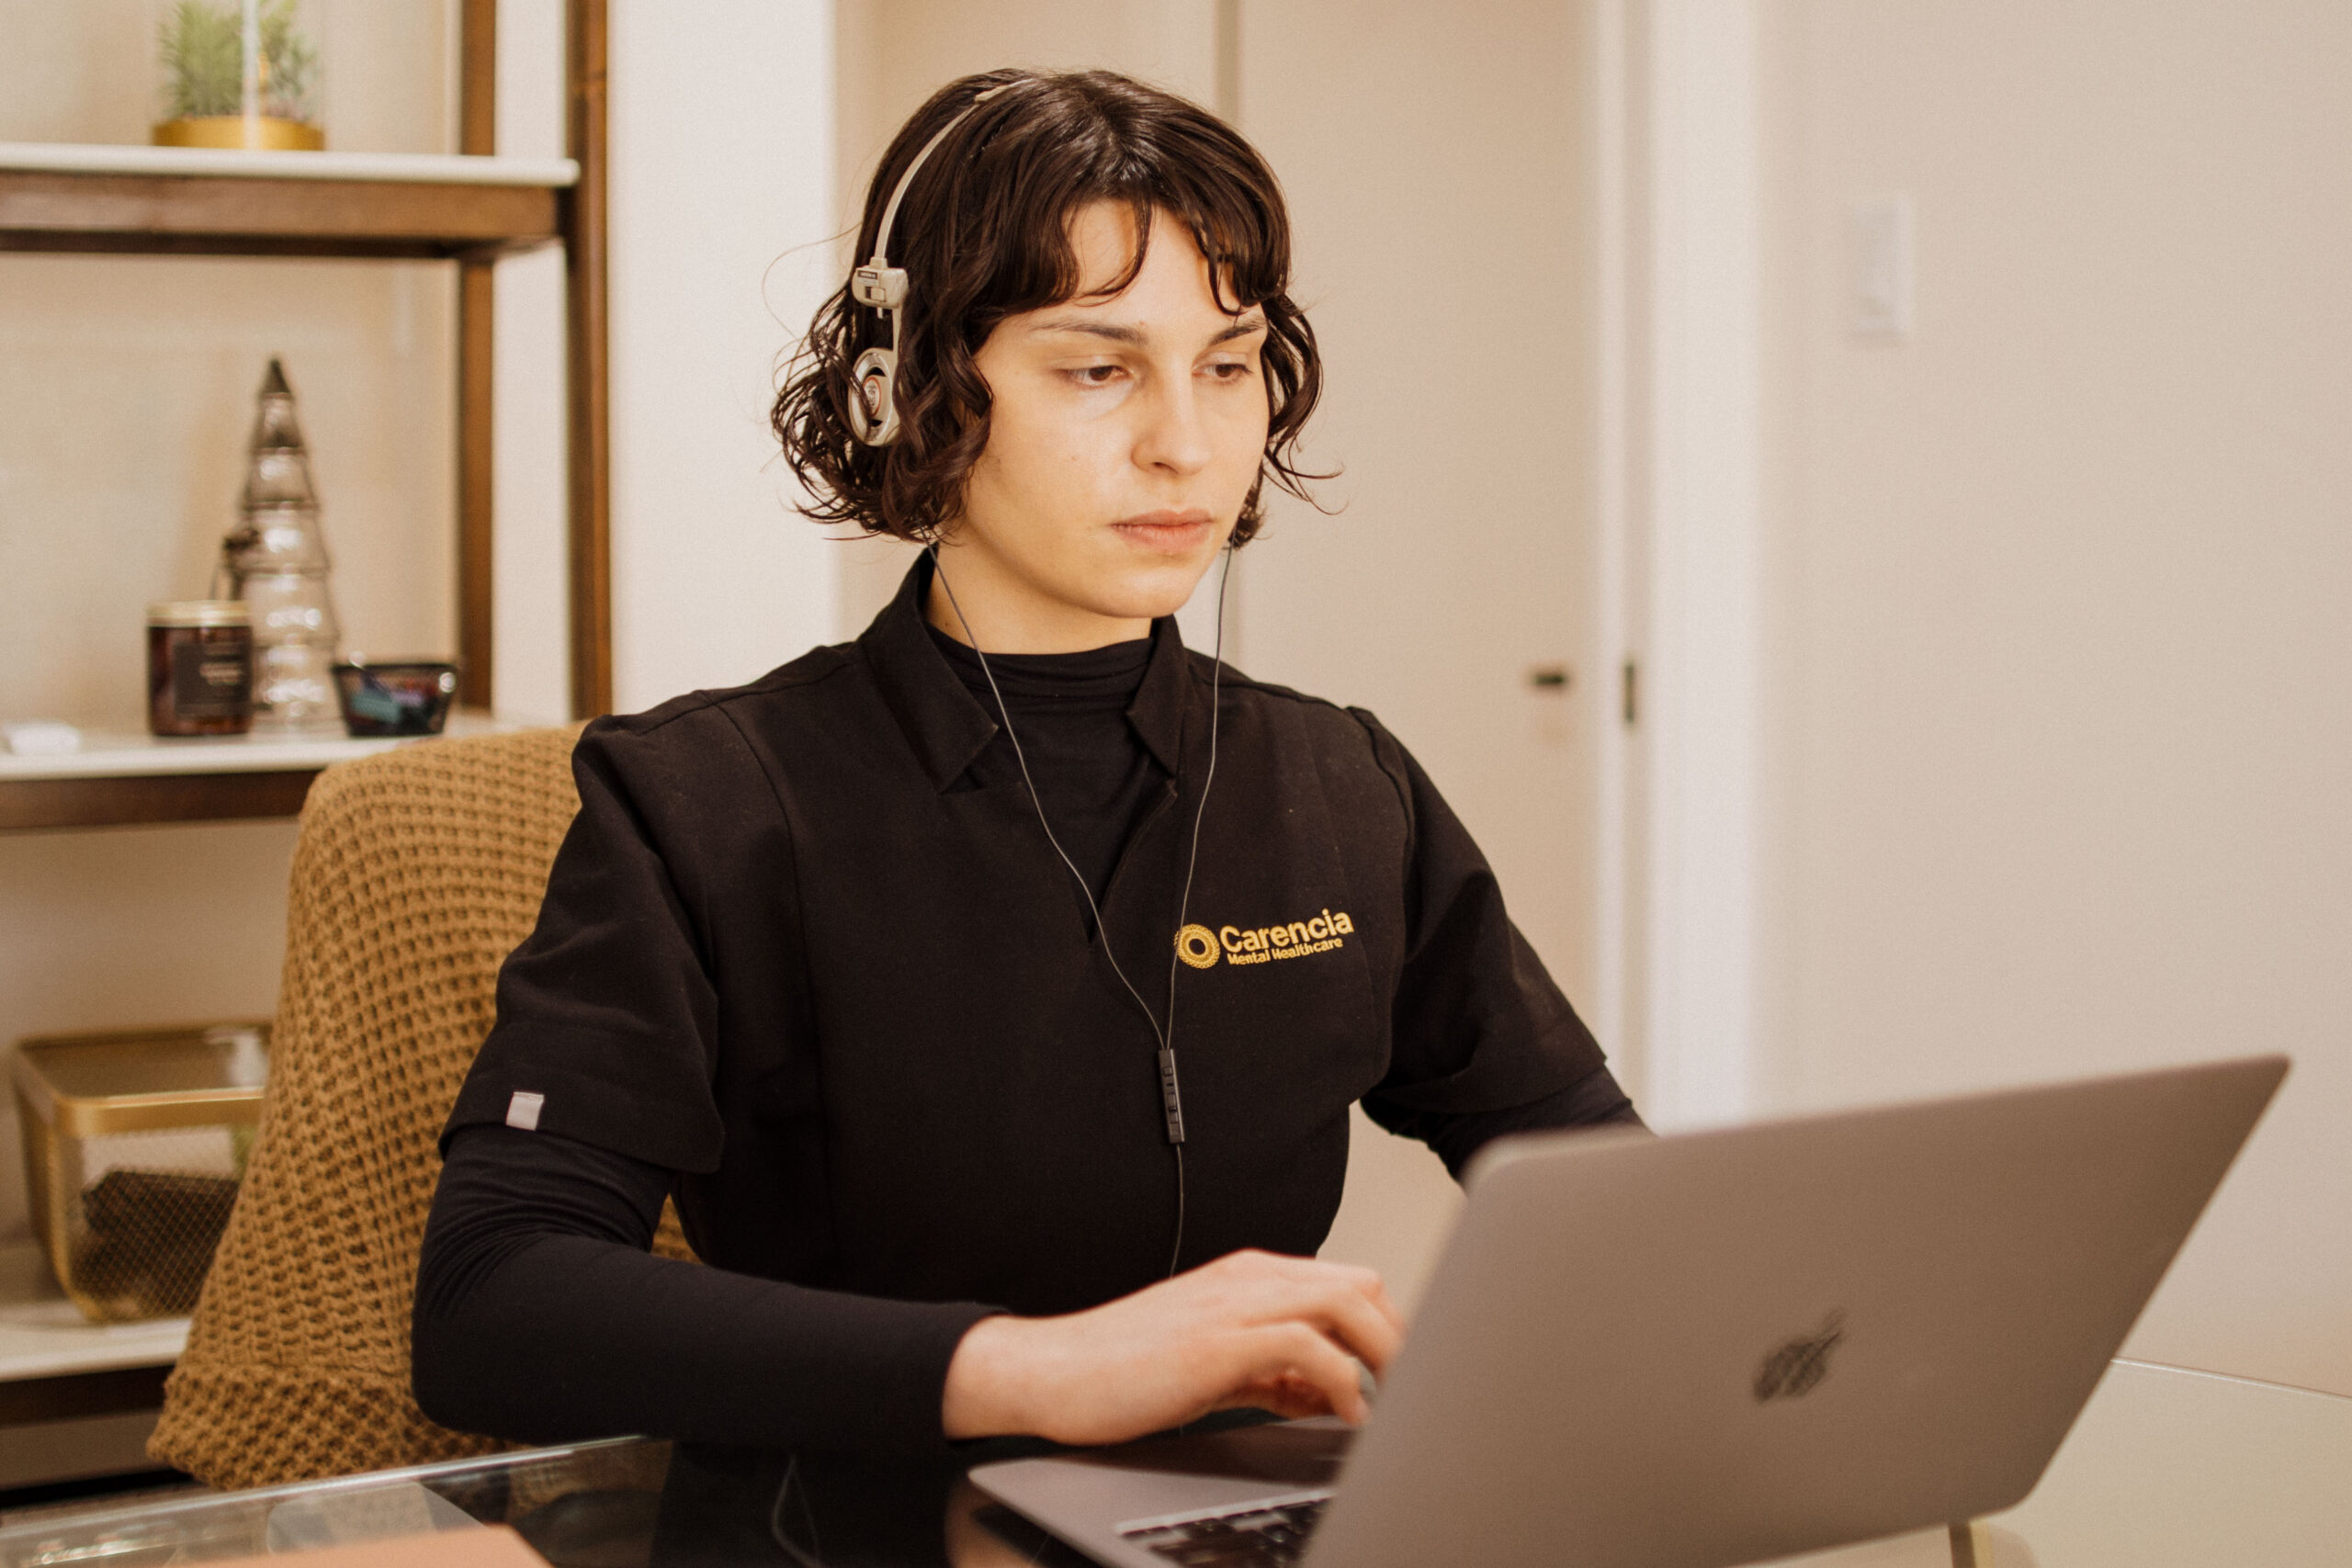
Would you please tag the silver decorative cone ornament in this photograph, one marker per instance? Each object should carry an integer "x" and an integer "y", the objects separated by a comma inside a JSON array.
[{"x": 277, "y": 558}]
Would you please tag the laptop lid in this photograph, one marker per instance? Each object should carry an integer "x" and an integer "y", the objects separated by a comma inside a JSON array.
[{"x": 1730, "y": 1346}]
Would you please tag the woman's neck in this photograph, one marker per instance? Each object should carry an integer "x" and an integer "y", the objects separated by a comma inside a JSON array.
[{"x": 1006, "y": 617}]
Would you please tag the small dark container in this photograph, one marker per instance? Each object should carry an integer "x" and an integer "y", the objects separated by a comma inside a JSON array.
[
  {"x": 199, "y": 667},
  {"x": 408, "y": 697}
]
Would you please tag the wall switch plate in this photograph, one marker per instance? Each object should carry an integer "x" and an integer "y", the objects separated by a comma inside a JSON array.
[{"x": 1880, "y": 301}]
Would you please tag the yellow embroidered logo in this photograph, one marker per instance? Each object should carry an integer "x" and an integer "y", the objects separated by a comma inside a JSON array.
[
  {"x": 1295, "y": 940},
  {"x": 1196, "y": 946}
]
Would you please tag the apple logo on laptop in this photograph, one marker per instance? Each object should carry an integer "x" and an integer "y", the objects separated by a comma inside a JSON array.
[{"x": 1794, "y": 1370}]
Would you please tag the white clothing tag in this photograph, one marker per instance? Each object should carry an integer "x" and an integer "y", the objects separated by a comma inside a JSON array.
[{"x": 523, "y": 1110}]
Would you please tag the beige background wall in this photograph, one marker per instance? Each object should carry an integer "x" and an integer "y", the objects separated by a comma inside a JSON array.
[{"x": 2060, "y": 716}]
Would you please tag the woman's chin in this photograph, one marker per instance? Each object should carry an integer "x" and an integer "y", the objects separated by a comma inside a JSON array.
[{"x": 1146, "y": 592}]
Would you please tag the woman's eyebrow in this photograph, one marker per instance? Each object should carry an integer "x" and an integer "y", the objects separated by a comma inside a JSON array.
[
  {"x": 1110, "y": 330},
  {"x": 1133, "y": 336}
]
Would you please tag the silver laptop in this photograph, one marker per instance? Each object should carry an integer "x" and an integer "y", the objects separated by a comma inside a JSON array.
[{"x": 1714, "y": 1348}]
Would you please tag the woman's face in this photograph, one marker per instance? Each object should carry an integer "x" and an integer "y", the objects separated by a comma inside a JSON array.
[{"x": 1124, "y": 436}]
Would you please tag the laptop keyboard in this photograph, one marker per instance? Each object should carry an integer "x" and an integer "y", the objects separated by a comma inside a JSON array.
[{"x": 1260, "y": 1536}]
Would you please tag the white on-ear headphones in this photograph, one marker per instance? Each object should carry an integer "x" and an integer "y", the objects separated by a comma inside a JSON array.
[{"x": 874, "y": 380}]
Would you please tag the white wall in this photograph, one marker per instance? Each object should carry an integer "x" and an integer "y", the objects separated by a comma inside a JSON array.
[
  {"x": 721, "y": 145},
  {"x": 1679, "y": 495},
  {"x": 2060, "y": 718},
  {"x": 529, "y": 502},
  {"x": 722, "y": 201}
]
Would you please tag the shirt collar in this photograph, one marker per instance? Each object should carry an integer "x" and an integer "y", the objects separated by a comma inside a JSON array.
[
  {"x": 1163, "y": 703},
  {"x": 949, "y": 729}
]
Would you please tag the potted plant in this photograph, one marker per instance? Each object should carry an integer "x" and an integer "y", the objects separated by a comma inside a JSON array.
[{"x": 237, "y": 76}]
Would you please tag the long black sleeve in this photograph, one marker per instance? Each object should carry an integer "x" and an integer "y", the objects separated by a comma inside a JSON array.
[
  {"x": 541, "y": 1317},
  {"x": 1593, "y": 1100}
]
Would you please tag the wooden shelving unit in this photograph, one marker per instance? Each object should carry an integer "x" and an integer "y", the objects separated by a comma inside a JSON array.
[
  {"x": 469, "y": 209},
  {"x": 187, "y": 201},
  {"x": 104, "y": 1382},
  {"x": 43, "y": 1334},
  {"x": 120, "y": 779}
]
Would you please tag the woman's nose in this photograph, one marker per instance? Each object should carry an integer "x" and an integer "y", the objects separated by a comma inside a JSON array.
[{"x": 1174, "y": 436}]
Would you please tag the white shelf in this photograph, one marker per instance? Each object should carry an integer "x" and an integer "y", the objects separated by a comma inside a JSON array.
[
  {"x": 437, "y": 168},
  {"x": 118, "y": 753},
  {"x": 43, "y": 1334}
]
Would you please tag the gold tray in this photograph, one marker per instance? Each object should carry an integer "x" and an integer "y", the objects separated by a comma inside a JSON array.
[
  {"x": 133, "y": 1081},
  {"x": 135, "y": 1143}
]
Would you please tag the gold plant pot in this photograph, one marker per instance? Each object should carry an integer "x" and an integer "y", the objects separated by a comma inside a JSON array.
[{"x": 255, "y": 133}]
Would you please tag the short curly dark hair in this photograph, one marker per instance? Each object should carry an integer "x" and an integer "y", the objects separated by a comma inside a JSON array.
[{"x": 984, "y": 233}]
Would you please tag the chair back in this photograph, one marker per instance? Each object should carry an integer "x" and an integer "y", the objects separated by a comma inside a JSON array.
[{"x": 415, "y": 872}]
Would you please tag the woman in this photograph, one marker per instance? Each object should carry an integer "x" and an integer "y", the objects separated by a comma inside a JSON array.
[{"x": 863, "y": 963}]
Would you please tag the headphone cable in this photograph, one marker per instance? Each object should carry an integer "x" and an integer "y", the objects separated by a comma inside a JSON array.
[{"x": 1164, "y": 1038}]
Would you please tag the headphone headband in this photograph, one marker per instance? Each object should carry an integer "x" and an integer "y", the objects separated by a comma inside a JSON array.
[{"x": 874, "y": 407}]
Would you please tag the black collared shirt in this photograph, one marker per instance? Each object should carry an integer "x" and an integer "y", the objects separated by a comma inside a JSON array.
[
  {"x": 806, "y": 946},
  {"x": 1094, "y": 779}
]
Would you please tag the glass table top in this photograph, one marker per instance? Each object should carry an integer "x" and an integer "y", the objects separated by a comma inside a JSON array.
[{"x": 2165, "y": 1467}]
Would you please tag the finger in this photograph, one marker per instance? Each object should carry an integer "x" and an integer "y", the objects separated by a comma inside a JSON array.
[
  {"x": 1362, "y": 1328},
  {"x": 1386, "y": 1305},
  {"x": 1366, "y": 1283},
  {"x": 1334, "y": 1302},
  {"x": 1287, "y": 1397},
  {"x": 1296, "y": 1350},
  {"x": 1352, "y": 1325}
]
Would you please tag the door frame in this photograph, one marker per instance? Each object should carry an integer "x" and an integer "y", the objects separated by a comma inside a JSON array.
[{"x": 1676, "y": 101}]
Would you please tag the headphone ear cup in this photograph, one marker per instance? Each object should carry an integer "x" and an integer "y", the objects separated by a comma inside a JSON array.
[{"x": 874, "y": 397}]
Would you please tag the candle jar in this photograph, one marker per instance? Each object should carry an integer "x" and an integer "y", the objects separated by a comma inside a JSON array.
[{"x": 199, "y": 667}]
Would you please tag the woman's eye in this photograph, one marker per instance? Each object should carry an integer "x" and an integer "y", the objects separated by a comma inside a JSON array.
[
  {"x": 1230, "y": 369},
  {"x": 1095, "y": 374}
]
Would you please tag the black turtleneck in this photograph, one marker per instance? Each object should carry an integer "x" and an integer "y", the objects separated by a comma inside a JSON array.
[{"x": 1093, "y": 775}]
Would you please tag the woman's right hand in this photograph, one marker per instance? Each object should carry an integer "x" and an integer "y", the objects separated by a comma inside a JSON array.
[{"x": 1252, "y": 1329}]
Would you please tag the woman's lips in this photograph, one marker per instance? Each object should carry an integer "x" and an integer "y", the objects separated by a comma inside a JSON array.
[{"x": 1169, "y": 532}]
